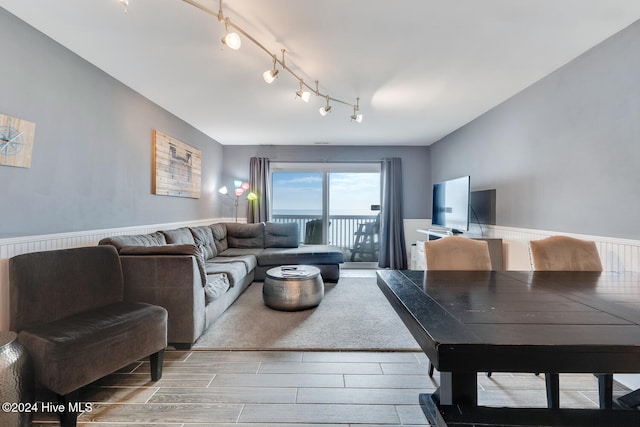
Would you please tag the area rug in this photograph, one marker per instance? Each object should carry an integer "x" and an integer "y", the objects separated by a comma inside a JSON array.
[{"x": 353, "y": 316}]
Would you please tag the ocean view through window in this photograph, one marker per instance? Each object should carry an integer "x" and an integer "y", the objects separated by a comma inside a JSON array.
[{"x": 328, "y": 201}]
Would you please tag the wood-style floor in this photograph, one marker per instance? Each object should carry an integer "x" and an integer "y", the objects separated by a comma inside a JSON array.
[
  {"x": 294, "y": 389},
  {"x": 218, "y": 388}
]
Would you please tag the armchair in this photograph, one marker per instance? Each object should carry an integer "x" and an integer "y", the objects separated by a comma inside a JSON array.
[{"x": 69, "y": 311}]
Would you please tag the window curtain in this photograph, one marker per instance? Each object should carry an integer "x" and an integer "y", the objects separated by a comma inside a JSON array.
[
  {"x": 393, "y": 252},
  {"x": 259, "y": 183}
]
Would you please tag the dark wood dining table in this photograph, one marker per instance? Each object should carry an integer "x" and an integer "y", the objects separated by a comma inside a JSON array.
[{"x": 468, "y": 322}]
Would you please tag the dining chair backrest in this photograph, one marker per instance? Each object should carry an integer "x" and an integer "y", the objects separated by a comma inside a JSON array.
[
  {"x": 457, "y": 253},
  {"x": 563, "y": 253}
]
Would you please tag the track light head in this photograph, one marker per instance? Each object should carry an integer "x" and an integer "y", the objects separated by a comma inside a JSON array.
[
  {"x": 325, "y": 110},
  {"x": 270, "y": 76},
  {"x": 231, "y": 39},
  {"x": 303, "y": 94},
  {"x": 125, "y": 4},
  {"x": 355, "y": 117}
]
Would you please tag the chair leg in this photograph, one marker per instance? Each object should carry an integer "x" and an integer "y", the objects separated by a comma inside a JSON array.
[
  {"x": 69, "y": 416},
  {"x": 430, "y": 369},
  {"x": 156, "y": 365},
  {"x": 605, "y": 390},
  {"x": 552, "y": 382}
]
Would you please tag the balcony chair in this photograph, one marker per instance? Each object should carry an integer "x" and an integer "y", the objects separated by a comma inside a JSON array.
[
  {"x": 313, "y": 232},
  {"x": 562, "y": 253},
  {"x": 366, "y": 243}
]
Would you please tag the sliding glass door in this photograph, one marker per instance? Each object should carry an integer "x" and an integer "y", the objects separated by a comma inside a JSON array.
[{"x": 330, "y": 202}]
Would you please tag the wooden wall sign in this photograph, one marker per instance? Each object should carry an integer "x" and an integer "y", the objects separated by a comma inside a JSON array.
[
  {"x": 176, "y": 167},
  {"x": 16, "y": 141}
]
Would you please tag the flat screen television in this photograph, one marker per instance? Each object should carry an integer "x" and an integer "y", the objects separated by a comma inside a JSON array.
[{"x": 451, "y": 204}]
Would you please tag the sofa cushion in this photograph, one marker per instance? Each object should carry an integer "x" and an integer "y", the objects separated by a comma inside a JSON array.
[
  {"x": 245, "y": 235},
  {"x": 313, "y": 254},
  {"x": 219, "y": 232},
  {"x": 250, "y": 261},
  {"x": 217, "y": 285},
  {"x": 277, "y": 235},
  {"x": 151, "y": 239},
  {"x": 179, "y": 236},
  {"x": 205, "y": 241},
  {"x": 235, "y": 271}
]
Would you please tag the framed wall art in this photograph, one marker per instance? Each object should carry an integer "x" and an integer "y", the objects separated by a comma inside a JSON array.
[
  {"x": 16, "y": 141},
  {"x": 176, "y": 167}
]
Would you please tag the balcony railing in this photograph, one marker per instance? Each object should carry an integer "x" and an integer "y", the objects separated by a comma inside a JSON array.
[{"x": 342, "y": 228}]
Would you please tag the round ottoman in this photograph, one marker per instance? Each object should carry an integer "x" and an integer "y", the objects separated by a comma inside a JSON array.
[
  {"x": 293, "y": 287},
  {"x": 16, "y": 382}
]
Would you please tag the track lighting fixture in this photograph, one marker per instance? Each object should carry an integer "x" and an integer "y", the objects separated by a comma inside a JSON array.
[
  {"x": 125, "y": 4},
  {"x": 231, "y": 39},
  {"x": 270, "y": 76},
  {"x": 303, "y": 94},
  {"x": 356, "y": 117},
  {"x": 325, "y": 110}
]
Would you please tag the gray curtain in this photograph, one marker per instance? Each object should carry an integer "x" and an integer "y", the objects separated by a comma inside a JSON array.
[
  {"x": 393, "y": 252},
  {"x": 259, "y": 183}
]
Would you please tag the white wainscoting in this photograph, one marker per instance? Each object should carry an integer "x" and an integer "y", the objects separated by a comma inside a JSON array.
[{"x": 20, "y": 245}]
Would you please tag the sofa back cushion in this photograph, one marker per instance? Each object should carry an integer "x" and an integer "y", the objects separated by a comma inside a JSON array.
[
  {"x": 245, "y": 235},
  {"x": 219, "y": 232},
  {"x": 151, "y": 239},
  {"x": 205, "y": 241},
  {"x": 278, "y": 235},
  {"x": 48, "y": 286},
  {"x": 179, "y": 236}
]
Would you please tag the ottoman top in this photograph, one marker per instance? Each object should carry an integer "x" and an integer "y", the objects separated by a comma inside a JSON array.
[{"x": 293, "y": 271}]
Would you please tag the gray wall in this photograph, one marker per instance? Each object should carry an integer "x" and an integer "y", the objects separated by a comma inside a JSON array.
[
  {"x": 564, "y": 154},
  {"x": 91, "y": 165},
  {"x": 415, "y": 166}
]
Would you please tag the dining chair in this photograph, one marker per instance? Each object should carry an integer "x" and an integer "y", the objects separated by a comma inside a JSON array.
[
  {"x": 563, "y": 253},
  {"x": 456, "y": 253}
]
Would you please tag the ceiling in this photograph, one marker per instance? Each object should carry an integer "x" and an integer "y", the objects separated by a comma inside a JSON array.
[{"x": 421, "y": 68}]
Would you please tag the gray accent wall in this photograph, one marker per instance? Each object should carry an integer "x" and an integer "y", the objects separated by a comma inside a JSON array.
[
  {"x": 564, "y": 154},
  {"x": 92, "y": 156},
  {"x": 415, "y": 166}
]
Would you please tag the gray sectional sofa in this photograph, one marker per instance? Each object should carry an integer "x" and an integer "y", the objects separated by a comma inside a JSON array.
[{"x": 196, "y": 273}]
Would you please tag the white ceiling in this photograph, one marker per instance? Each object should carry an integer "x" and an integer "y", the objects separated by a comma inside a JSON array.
[{"x": 421, "y": 68}]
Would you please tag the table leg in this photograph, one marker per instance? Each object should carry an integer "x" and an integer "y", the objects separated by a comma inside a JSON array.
[
  {"x": 458, "y": 388},
  {"x": 455, "y": 389}
]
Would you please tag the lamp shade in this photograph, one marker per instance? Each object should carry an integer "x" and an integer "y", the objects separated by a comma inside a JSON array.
[
  {"x": 252, "y": 196},
  {"x": 223, "y": 190}
]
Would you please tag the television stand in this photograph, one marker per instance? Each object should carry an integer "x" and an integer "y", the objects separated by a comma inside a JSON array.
[{"x": 455, "y": 231}]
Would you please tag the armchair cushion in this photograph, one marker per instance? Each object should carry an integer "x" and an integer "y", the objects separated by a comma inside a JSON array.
[{"x": 122, "y": 328}]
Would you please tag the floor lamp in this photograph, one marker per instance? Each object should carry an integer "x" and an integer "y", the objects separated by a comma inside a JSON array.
[{"x": 240, "y": 188}]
